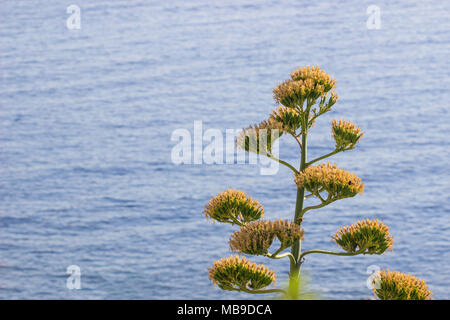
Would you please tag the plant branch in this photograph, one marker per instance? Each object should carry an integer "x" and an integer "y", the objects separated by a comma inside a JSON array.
[
  {"x": 257, "y": 291},
  {"x": 296, "y": 139},
  {"x": 323, "y": 157},
  {"x": 334, "y": 253},
  {"x": 323, "y": 204},
  {"x": 276, "y": 256},
  {"x": 317, "y": 193},
  {"x": 320, "y": 197},
  {"x": 282, "y": 162}
]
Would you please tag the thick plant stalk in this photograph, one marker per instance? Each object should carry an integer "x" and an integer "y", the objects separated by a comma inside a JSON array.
[{"x": 296, "y": 248}]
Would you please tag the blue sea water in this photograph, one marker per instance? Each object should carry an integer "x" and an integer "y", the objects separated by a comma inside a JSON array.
[{"x": 86, "y": 118}]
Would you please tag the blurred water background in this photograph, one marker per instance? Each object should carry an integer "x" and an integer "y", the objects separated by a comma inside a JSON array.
[{"x": 85, "y": 139}]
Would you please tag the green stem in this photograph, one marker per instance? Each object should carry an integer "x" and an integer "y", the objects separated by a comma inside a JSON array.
[
  {"x": 322, "y": 157},
  {"x": 296, "y": 248},
  {"x": 276, "y": 256},
  {"x": 258, "y": 291},
  {"x": 297, "y": 139},
  {"x": 333, "y": 253},
  {"x": 320, "y": 197},
  {"x": 282, "y": 162},
  {"x": 315, "y": 194},
  {"x": 323, "y": 204}
]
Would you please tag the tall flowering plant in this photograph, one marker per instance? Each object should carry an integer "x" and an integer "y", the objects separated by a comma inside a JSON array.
[{"x": 307, "y": 95}]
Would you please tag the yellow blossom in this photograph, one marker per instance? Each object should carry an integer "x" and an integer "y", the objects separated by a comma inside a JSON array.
[
  {"x": 260, "y": 138},
  {"x": 370, "y": 236},
  {"x": 336, "y": 182},
  {"x": 345, "y": 134},
  {"x": 237, "y": 272},
  {"x": 257, "y": 237},
  {"x": 316, "y": 74},
  {"x": 307, "y": 84},
  {"x": 395, "y": 285},
  {"x": 233, "y": 206},
  {"x": 290, "y": 118}
]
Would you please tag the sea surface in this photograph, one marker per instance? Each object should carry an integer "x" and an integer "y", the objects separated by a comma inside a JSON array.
[{"x": 87, "y": 117}]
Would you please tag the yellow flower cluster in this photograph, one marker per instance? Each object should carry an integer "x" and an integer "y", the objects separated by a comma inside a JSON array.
[
  {"x": 308, "y": 82},
  {"x": 260, "y": 138},
  {"x": 368, "y": 236},
  {"x": 233, "y": 206},
  {"x": 345, "y": 134},
  {"x": 257, "y": 237},
  {"x": 316, "y": 74},
  {"x": 336, "y": 182},
  {"x": 290, "y": 119},
  {"x": 237, "y": 272},
  {"x": 395, "y": 285},
  {"x": 290, "y": 93}
]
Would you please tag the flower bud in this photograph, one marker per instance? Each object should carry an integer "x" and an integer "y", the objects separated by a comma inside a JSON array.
[
  {"x": 237, "y": 272},
  {"x": 333, "y": 99}
]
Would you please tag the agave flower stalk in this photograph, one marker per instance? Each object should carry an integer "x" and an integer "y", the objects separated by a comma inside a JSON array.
[{"x": 307, "y": 95}]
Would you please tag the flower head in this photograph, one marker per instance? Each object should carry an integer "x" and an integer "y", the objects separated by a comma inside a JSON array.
[
  {"x": 233, "y": 206},
  {"x": 260, "y": 138},
  {"x": 290, "y": 118},
  {"x": 395, "y": 285},
  {"x": 336, "y": 182},
  {"x": 237, "y": 272},
  {"x": 345, "y": 134},
  {"x": 305, "y": 83},
  {"x": 257, "y": 237},
  {"x": 315, "y": 74},
  {"x": 291, "y": 92},
  {"x": 370, "y": 236}
]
